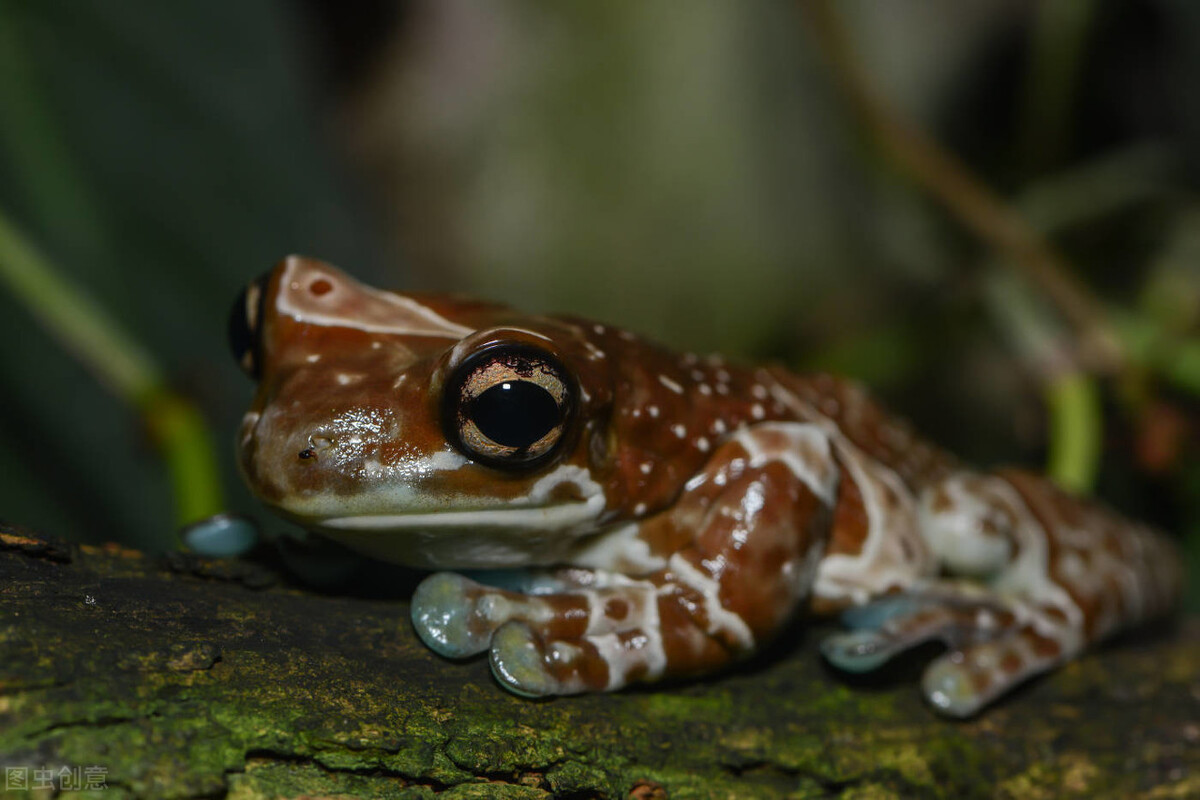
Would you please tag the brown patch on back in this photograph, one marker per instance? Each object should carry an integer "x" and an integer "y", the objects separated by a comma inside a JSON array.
[{"x": 616, "y": 609}]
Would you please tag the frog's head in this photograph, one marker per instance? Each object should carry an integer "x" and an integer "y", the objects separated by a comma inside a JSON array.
[{"x": 424, "y": 430}]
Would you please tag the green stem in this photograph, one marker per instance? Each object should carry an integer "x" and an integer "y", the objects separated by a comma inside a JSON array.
[
  {"x": 1076, "y": 424},
  {"x": 123, "y": 365}
]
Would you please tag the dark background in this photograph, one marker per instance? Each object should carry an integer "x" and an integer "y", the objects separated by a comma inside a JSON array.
[{"x": 696, "y": 176}]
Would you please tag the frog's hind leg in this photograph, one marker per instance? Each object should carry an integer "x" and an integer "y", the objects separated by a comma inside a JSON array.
[
  {"x": 892, "y": 625},
  {"x": 1034, "y": 576},
  {"x": 991, "y": 649}
]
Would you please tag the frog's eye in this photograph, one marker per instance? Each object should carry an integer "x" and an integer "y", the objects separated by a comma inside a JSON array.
[
  {"x": 508, "y": 406},
  {"x": 245, "y": 319}
]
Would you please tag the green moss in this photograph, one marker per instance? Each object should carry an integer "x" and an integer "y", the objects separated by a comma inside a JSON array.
[{"x": 196, "y": 686}]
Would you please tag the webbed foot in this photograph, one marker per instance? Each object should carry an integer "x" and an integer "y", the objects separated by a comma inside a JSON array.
[{"x": 993, "y": 645}]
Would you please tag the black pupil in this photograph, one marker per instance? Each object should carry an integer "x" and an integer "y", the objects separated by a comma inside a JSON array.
[{"x": 515, "y": 413}]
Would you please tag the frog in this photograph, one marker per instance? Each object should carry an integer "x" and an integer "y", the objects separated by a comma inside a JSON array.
[{"x": 598, "y": 511}]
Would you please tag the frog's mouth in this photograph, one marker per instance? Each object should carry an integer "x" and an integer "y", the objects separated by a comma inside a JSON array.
[
  {"x": 558, "y": 517},
  {"x": 468, "y": 532}
]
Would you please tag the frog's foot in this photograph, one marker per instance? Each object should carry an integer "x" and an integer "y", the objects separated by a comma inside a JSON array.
[
  {"x": 456, "y": 617},
  {"x": 961, "y": 682},
  {"x": 582, "y": 640},
  {"x": 531, "y": 664},
  {"x": 993, "y": 646}
]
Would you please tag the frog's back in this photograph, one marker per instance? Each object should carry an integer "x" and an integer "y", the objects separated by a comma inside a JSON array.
[{"x": 878, "y": 434}]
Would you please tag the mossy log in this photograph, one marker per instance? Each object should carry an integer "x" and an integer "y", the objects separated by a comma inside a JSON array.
[{"x": 181, "y": 677}]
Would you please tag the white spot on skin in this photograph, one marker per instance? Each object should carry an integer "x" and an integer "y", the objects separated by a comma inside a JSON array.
[
  {"x": 652, "y": 411},
  {"x": 372, "y": 468},
  {"x": 445, "y": 461},
  {"x": 627, "y": 336},
  {"x": 718, "y": 426},
  {"x": 639, "y": 509},
  {"x": 702, "y": 444},
  {"x": 670, "y": 384},
  {"x": 698, "y": 375},
  {"x": 759, "y": 391},
  {"x": 679, "y": 430},
  {"x": 599, "y": 329},
  {"x": 645, "y": 467},
  {"x": 312, "y": 358},
  {"x": 564, "y": 653},
  {"x": 705, "y": 389},
  {"x": 376, "y": 345},
  {"x": 757, "y": 412},
  {"x": 345, "y": 379},
  {"x": 722, "y": 388}
]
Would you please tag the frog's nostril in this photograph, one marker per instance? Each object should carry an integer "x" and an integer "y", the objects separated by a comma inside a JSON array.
[{"x": 316, "y": 444}]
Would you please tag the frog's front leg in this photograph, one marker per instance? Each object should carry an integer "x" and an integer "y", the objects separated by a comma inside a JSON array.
[
  {"x": 682, "y": 592},
  {"x": 1035, "y": 575}
]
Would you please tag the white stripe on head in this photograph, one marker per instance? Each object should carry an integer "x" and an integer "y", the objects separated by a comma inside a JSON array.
[{"x": 313, "y": 293}]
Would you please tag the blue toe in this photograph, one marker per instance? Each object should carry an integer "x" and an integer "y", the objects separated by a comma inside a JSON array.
[
  {"x": 442, "y": 613},
  {"x": 857, "y": 651}
]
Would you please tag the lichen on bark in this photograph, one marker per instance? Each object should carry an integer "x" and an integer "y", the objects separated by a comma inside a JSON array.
[{"x": 186, "y": 678}]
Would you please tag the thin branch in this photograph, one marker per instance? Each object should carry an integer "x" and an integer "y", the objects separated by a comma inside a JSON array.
[{"x": 967, "y": 198}]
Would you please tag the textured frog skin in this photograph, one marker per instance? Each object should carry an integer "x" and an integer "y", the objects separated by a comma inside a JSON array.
[{"x": 678, "y": 511}]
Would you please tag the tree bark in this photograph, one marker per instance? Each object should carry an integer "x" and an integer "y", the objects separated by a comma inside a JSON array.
[{"x": 181, "y": 677}]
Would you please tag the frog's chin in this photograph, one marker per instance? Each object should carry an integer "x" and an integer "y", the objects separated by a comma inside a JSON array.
[{"x": 476, "y": 539}]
